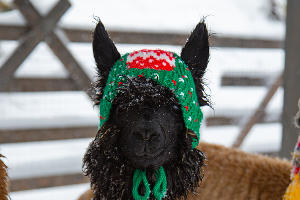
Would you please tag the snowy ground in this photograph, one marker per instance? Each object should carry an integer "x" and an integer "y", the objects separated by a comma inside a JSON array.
[
  {"x": 56, "y": 109},
  {"x": 71, "y": 192}
]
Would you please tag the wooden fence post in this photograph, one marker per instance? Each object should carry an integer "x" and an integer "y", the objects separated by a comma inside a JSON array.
[{"x": 291, "y": 77}]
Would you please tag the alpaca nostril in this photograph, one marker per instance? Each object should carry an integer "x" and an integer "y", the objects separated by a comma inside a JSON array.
[
  {"x": 144, "y": 150},
  {"x": 145, "y": 135}
]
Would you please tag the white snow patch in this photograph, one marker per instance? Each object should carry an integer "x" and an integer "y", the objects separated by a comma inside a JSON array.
[
  {"x": 71, "y": 192},
  {"x": 46, "y": 109},
  {"x": 262, "y": 138},
  {"x": 34, "y": 159}
]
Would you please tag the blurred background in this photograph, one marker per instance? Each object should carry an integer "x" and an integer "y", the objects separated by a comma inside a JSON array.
[{"x": 47, "y": 118}]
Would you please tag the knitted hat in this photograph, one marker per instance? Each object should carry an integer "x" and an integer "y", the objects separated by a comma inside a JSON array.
[{"x": 168, "y": 70}]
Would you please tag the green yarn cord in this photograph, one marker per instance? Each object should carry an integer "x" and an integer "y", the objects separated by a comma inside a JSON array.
[
  {"x": 138, "y": 177},
  {"x": 160, "y": 187}
]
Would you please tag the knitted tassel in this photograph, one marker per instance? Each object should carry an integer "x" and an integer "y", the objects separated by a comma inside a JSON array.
[
  {"x": 160, "y": 187},
  {"x": 138, "y": 178}
]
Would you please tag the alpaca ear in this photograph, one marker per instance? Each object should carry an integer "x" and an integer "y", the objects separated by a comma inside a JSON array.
[
  {"x": 195, "y": 54},
  {"x": 105, "y": 52}
]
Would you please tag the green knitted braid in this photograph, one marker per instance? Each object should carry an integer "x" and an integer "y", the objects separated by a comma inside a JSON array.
[
  {"x": 139, "y": 177},
  {"x": 159, "y": 189}
]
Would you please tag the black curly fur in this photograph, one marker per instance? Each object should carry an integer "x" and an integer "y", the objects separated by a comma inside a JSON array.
[{"x": 111, "y": 173}]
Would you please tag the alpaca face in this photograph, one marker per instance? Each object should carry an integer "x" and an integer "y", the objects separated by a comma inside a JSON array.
[
  {"x": 149, "y": 135},
  {"x": 149, "y": 121}
]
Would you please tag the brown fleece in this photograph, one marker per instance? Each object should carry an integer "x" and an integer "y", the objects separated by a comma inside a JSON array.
[
  {"x": 231, "y": 174},
  {"x": 3, "y": 180}
]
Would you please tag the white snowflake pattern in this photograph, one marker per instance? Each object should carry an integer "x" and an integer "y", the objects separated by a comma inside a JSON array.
[{"x": 181, "y": 80}]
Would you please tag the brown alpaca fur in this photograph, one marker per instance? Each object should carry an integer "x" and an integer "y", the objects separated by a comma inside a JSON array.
[
  {"x": 3, "y": 180},
  {"x": 231, "y": 174}
]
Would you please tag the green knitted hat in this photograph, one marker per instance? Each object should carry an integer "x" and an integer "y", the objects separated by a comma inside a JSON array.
[{"x": 167, "y": 69}]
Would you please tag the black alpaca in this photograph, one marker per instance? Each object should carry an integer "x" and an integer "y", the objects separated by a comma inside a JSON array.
[{"x": 145, "y": 128}]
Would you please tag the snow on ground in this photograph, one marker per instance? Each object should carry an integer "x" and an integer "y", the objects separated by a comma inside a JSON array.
[
  {"x": 34, "y": 159},
  {"x": 242, "y": 100},
  {"x": 71, "y": 192},
  {"x": 46, "y": 109},
  {"x": 263, "y": 138}
]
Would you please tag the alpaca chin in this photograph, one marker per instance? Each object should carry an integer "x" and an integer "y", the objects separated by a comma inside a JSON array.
[{"x": 111, "y": 173}]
